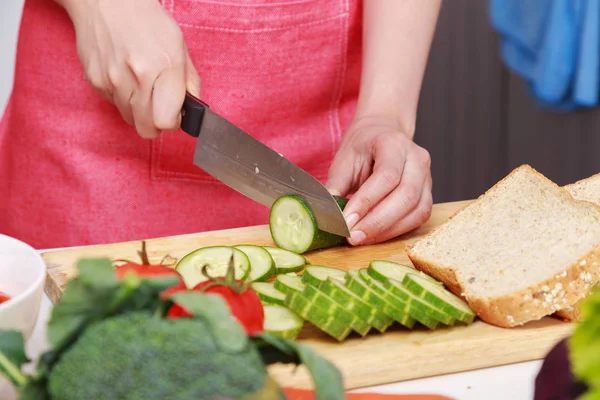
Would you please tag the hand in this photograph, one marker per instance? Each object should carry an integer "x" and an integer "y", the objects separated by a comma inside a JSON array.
[
  {"x": 391, "y": 176},
  {"x": 134, "y": 55}
]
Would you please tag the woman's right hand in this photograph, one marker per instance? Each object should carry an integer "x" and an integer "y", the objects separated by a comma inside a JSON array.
[{"x": 134, "y": 55}]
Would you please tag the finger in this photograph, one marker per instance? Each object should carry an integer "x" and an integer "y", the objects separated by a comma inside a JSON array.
[
  {"x": 417, "y": 217},
  {"x": 393, "y": 208},
  {"x": 193, "y": 82},
  {"x": 168, "y": 95},
  {"x": 124, "y": 82},
  {"x": 141, "y": 107},
  {"x": 387, "y": 171},
  {"x": 341, "y": 173}
]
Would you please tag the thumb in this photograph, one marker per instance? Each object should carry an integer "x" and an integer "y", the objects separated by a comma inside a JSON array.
[
  {"x": 192, "y": 79},
  {"x": 341, "y": 175}
]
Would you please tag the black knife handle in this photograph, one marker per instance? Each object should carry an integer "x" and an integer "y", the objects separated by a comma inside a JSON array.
[{"x": 192, "y": 114}]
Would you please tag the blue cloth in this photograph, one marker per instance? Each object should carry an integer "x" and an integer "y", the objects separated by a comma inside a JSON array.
[{"x": 554, "y": 45}]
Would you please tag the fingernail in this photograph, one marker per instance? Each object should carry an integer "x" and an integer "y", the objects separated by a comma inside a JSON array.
[
  {"x": 351, "y": 220},
  {"x": 356, "y": 237}
]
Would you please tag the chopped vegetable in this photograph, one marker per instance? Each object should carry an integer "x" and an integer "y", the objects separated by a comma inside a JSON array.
[
  {"x": 217, "y": 260},
  {"x": 110, "y": 338},
  {"x": 282, "y": 322},
  {"x": 4, "y": 297},
  {"x": 242, "y": 300},
  {"x": 293, "y": 226}
]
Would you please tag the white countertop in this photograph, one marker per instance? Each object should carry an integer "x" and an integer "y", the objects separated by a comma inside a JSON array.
[{"x": 514, "y": 382}]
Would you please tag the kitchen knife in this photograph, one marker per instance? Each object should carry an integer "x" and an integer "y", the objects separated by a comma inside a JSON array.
[{"x": 245, "y": 164}]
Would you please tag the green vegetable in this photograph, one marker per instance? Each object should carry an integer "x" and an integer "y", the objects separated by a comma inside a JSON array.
[
  {"x": 111, "y": 339},
  {"x": 286, "y": 261},
  {"x": 584, "y": 346},
  {"x": 217, "y": 259},
  {"x": 294, "y": 227},
  {"x": 175, "y": 359},
  {"x": 262, "y": 266}
]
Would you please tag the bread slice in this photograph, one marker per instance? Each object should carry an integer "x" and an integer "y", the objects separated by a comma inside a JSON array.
[
  {"x": 523, "y": 250},
  {"x": 587, "y": 189}
]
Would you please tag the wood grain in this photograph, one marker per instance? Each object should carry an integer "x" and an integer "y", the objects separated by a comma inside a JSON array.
[{"x": 398, "y": 354}]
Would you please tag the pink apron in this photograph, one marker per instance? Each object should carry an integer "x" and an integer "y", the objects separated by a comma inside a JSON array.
[{"x": 74, "y": 173}]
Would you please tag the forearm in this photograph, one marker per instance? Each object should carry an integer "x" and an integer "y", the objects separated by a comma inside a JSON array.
[{"x": 397, "y": 36}]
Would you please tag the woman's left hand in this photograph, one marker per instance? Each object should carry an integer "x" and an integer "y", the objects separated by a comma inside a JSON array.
[{"x": 389, "y": 176}]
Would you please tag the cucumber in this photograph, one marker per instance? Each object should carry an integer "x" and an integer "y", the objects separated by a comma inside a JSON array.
[
  {"x": 439, "y": 297},
  {"x": 217, "y": 259},
  {"x": 417, "y": 305},
  {"x": 285, "y": 260},
  {"x": 268, "y": 294},
  {"x": 262, "y": 266},
  {"x": 345, "y": 298},
  {"x": 285, "y": 283},
  {"x": 382, "y": 270},
  {"x": 317, "y": 316},
  {"x": 343, "y": 315},
  {"x": 293, "y": 226},
  {"x": 395, "y": 307},
  {"x": 317, "y": 274},
  {"x": 282, "y": 322}
]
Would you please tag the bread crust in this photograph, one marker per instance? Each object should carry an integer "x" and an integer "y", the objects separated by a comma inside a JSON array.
[{"x": 532, "y": 303}]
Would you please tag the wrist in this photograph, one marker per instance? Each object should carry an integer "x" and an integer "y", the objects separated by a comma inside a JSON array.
[
  {"x": 75, "y": 8},
  {"x": 403, "y": 120}
]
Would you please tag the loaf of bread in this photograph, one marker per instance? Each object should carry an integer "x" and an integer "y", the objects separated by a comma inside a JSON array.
[
  {"x": 523, "y": 250},
  {"x": 589, "y": 190}
]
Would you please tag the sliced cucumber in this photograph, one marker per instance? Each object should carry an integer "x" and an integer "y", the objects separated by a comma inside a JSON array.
[
  {"x": 217, "y": 259},
  {"x": 382, "y": 270},
  {"x": 314, "y": 314},
  {"x": 286, "y": 261},
  {"x": 282, "y": 322},
  {"x": 344, "y": 316},
  {"x": 439, "y": 297},
  {"x": 268, "y": 294},
  {"x": 293, "y": 226},
  {"x": 285, "y": 283},
  {"x": 317, "y": 274},
  {"x": 351, "y": 302},
  {"x": 395, "y": 307},
  {"x": 418, "y": 306},
  {"x": 262, "y": 266}
]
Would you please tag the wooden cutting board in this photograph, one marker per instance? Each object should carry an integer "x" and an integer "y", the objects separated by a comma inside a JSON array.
[{"x": 398, "y": 354}]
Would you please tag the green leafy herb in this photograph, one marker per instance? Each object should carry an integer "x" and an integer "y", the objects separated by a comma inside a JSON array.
[
  {"x": 227, "y": 332},
  {"x": 12, "y": 356},
  {"x": 584, "y": 346},
  {"x": 326, "y": 377}
]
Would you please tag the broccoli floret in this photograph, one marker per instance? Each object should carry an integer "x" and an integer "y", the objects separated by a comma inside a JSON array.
[{"x": 138, "y": 356}]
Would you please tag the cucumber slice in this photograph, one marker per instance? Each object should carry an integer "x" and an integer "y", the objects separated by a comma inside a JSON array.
[
  {"x": 382, "y": 270},
  {"x": 439, "y": 297},
  {"x": 320, "y": 318},
  {"x": 293, "y": 226},
  {"x": 217, "y": 259},
  {"x": 262, "y": 266},
  {"x": 268, "y": 294},
  {"x": 418, "y": 305},
  {"x": 286, "y": 261},
  {"x": 395, "y": 307},
  {"x": 317, "y": 274},
  {"x": 285, "y": 283},
  {"x": 282, "y": 322},
  {"x": 344, "y": 316},
  {"x": 351, "y": 302}
]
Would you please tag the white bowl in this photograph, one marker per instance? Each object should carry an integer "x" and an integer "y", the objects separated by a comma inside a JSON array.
[{"x": 22, "y": 276}]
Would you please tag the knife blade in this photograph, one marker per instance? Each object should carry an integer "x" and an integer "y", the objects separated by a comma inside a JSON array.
[{"x": 248, "y": 166}]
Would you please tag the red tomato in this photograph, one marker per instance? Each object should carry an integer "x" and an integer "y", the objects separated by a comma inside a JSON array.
[
  {"x": 145, "y": 269},
  {"x": 4, "y": 297},
  {"x": 243, "y": 302}
]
